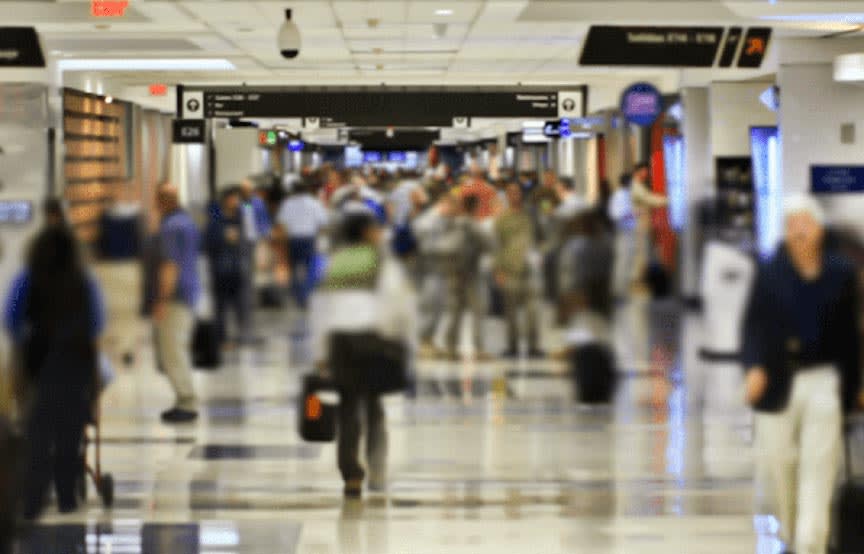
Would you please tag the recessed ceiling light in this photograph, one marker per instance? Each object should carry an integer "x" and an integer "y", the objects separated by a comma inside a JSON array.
[{"x": 444, "y": 11}]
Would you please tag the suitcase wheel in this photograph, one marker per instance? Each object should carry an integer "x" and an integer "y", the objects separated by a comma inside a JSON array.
[{"x": 106, "y": 489}]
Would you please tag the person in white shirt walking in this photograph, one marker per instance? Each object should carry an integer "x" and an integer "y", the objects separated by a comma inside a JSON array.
[{"x": 299, "y": 221}]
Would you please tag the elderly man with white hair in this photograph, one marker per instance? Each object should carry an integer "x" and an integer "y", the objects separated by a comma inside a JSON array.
[{"x": 801, "y": 351}]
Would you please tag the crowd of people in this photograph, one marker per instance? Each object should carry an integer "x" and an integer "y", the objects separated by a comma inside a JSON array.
[
  {"x": 356, "y": 251},
  {"x": 367, "y": 255}
]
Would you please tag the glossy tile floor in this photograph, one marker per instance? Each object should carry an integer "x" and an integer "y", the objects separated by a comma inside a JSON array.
[{"x": 491, "y": 458}]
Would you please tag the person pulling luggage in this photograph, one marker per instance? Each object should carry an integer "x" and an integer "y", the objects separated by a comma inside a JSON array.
[{"x": 54, "y": 314}]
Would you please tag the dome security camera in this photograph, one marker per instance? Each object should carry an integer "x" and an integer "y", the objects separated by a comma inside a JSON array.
[{"x": 289, "y": 38}]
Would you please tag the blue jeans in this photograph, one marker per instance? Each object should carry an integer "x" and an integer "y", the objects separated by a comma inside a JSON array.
[{"x": 301, "y": 253}]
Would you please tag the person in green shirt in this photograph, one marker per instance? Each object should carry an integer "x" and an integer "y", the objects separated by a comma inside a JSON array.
[{"x": 515, "y": 242}]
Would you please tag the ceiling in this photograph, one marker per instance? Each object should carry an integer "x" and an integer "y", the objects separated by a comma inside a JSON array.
[{"x": 395, "y": 41}]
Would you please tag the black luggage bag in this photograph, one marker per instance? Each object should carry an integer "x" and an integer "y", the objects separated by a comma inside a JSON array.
[
  {"x": 206, "y": 347},
  {"x": 848, "y": 510},
  {"x": 316, "y": 418},
  {"x": 593, "y": 370}
]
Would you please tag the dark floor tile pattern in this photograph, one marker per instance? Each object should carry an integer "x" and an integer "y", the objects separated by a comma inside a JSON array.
[{"x": 255, "y": 452}]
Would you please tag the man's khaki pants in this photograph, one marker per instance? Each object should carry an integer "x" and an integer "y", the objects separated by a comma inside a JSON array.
[
  {"x": 797, "y": 457},
  {"x": 173, "y": 343}
]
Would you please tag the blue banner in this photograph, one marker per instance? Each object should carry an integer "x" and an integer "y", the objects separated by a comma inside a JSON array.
[{"x": 836, "y": 178}]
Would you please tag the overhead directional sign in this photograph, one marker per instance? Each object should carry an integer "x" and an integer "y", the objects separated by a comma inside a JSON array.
[
  {"x": 19, "y": 47},
  {"x": 755, "y": 47},
  {"x": 657, "y": 46},
  {"x": 674, "y": 46},
  {"x": 386, "y": 106}
]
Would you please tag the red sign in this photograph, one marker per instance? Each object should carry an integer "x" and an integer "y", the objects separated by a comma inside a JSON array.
[
  {"x": 158, "y": 89},
  {"x": 108, "y": 8}
]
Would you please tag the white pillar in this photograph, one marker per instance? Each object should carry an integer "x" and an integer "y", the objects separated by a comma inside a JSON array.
[{"x": 698, "y": 180}]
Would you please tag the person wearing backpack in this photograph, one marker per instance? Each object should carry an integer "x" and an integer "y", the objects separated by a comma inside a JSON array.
[{"x": 365, "y": 297}]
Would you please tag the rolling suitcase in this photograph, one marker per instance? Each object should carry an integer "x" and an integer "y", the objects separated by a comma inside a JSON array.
[
  {"x": 847, "y": 529},
  {"x": 593, "y": 369},
  {"x": 316, "y": 416},
  {"x": 206, "y": 349}
]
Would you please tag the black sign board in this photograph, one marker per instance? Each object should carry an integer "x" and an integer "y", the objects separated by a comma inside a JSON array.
[
  {"x": 730, "y": 47},
  {"x": 189, "y": 131},
  {"x": 755, "y": 46},
  {"x": 19, "y": 47},
  {"x": 381, "y": 141},
  {"x": 381, "y": 107},
  {"x": 654, "y": 46}
]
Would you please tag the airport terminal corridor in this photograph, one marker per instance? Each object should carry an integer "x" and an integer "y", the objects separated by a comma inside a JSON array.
[{"x": 431, "y": 277}]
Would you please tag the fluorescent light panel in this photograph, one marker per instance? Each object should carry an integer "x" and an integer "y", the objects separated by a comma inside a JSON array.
[
  {"x": 146, "y": 64},
  {"x": 849, "y": 68},
  {"x": 849, "y": 18}
]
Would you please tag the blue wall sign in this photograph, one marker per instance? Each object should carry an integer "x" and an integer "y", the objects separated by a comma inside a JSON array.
[
  {"x": 641, "y": 104},
  {"x": 836, "y": 178}
]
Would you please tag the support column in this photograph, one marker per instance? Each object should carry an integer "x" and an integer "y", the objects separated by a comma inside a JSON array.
[{"x": 698, "y": 181}]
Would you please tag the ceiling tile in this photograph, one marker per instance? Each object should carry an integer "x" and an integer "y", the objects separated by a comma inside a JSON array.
[{"x": 357, "y": 11}]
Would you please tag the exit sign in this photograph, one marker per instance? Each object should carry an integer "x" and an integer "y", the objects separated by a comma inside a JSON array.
[
  {"x": 108, "y": 8},
  {"x": 158, "y": 89}
]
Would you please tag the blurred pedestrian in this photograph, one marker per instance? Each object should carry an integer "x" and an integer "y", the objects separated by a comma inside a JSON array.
[
  {"x": 54, "y": 314},
  {"x": 366, "y": 296},
  {"x": 623, "y": 216},
  {"x": 801, "y": 350},
  {"x": 230, "y": 253},
  {"x": 53, "y": 212},
  {"x": 300, "y": 220},
  {"x": 465, "y": 278},
  {"x": 477, "y": 186},
  {"x": 644, "y": 202},
  {"x": 513, "y": 273},
  {"x": 437, "y": 245},
  {"x": 585, "y": 306},
  {"x": 177, "y": 291},
  {"x": 257, "y": 208}
]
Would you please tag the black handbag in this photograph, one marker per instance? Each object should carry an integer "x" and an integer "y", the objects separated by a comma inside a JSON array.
[
  {"x": 386, "y": 366},
  {"x": 316, "y": 419}
]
